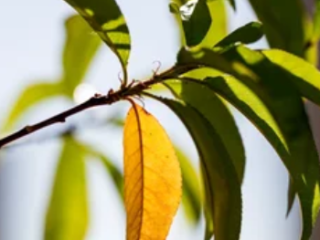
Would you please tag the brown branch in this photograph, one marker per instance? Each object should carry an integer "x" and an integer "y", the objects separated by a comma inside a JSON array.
[
  {"x": 134, "y": 88},
  {"x": 60, "y": 118}
]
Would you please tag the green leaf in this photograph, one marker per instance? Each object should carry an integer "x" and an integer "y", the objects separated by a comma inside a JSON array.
[
  {"x": 80, "y": 47},
  {"x": 316, "y": 22},
  {"x": 217, "y": 113},
  {"x": 284, "y": 23},
  {"x": 105, "y": 17},
  {"x": 191, "y": 200},
  {"x": 115, "y": 174},
  {"x": 67, "y": 216},
  {"x": 219, "y": 26},
  {"x": 246, "y": 34},
  {"x": 274, "y": 86},
  {"x": 29, "y": 97},
  {"x": 218, "y": 171},
  {"x": 304, "y": 75},
  {"x": 196, "y": 21},
  {"x": 209, "y": 15}
]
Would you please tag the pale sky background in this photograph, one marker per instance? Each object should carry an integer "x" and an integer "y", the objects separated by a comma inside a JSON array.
[{"x": 30, "y": 49}]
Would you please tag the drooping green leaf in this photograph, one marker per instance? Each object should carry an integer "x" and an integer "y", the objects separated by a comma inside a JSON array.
[
  {"x": 80, "y": 47},
  {"x": 303, "y": 74},
  {"x": 284, "y": 23},
  {"x": 284, "y": 101},
  {"x": 105, "y": 17},
  {"x": 115, "y": 174},
  {"x": 218, "y": 171},
  {"x": 218, "y": 115},
  {"x": 29, "y": 97},
  {"x": 246, "y": 34},
  {"x": 273, "y": 86},
  {"x": 191, "y": 200},
  {"x": 67, "y": 215}
]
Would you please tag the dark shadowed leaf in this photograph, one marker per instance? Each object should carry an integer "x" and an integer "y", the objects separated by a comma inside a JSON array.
[
  {"x": 283, "y": 23},
  {"x": 224, "y": 191},
  {"x": 209, "y": 15},
  {"x": 29, "y": 97},
  {"x": 316, "y": 22},
  {"x": 81, "y": 45},
  {"x": 67, "y": 216},
  {"x": 105, "y": 17},
  {"x": 246, "y": 34},
  {"x": 196, "y": 21}
]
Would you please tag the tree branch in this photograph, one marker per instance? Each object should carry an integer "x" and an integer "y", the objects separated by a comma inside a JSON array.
[{"x": 133, "y": 89}]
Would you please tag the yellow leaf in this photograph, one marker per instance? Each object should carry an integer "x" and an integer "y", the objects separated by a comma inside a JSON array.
[{"x": 152, "y": 177}]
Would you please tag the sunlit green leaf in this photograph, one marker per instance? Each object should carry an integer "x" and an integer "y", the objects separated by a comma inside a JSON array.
[
  {"x": 273, "y": 86},
  {"x": 303, "y": 74},
  {"x": 105, "y": 17},
  {"x": 67, "y": 216},
  {"x": 191, "y": 200},
  {"x": 246, "y": 34},
  {"x": 80, "y": 47},
  {"x": 284, "y": 101},
  {"x": 218, "y": 115},
  {"x": 218, "y": 171},
  {"x": 29, "y": 97},
  {"x": 219, "y": 26}
]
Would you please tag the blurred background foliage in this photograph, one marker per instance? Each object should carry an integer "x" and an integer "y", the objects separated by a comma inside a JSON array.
[{"x": 67, "y": 215}]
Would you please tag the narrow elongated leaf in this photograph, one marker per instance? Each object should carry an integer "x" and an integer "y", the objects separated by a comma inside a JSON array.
[
  {"x": 209, "y": 15},
  {"x": 219, "y": 173},
  {"x": 196, "y": 21},
  {"x": 284, "y": 101},
  {"x": 111, "y": 169},
  {"x": 303, "y": 74},
  {"x": 81, "y": 46},
  {"x": 273, "y": 86},
  {"x": 29, "y": 97},
  {"x": 105, "y": 17},
  {"x": 67, "y": 216},
  {"x": 246, "y": 34},
  {"x": 219, "y": 27},
  {"x": 284, "y": 28},
  {"x": 152, "y": 177},
  {"x": 191, "y": 200},
  {"x": 216, "y": 112}
]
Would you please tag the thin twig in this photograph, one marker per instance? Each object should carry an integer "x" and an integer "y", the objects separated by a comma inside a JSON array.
[{"x": 134, "y": 89}]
